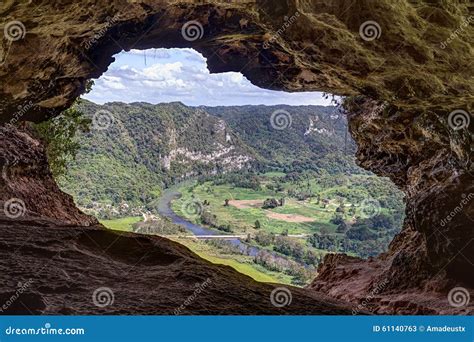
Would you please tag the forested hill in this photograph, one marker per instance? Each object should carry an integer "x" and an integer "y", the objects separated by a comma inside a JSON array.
[
  {"x": 294, "y": 137},
  {"x": 135, "y": 150}
]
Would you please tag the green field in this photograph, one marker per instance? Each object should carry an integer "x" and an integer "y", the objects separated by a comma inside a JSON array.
[
  {"x": 308, "y": 216},
  {"x": 351, "y": 191},
  {"x": 123, "y": 224},
  {"x": 241, "y": 263},
  {"x": 242, "y": 220}
]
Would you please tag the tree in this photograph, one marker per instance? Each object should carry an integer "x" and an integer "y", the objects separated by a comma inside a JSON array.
[
  {"x": 59, "y": 136},
  {"x": 264, "y": 239},
  {"x": 340, "y": 208},
  {"x": 270, "y": 203},
  {"x": 324, "y": 231},
  {"x": 342, "y": 227},
  {"x": 208, "y": 218},
  {"x": 360, "y": 232},
  {"x": 382, "y": 221},
  {"x": 257, "y": 224},
  {"x": 337, "y": 219}
]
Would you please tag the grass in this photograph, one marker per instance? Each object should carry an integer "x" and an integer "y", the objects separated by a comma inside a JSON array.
[
  {"x": 243, "y": 220},
  {"x": 123, "y": 224},
  {"x": 240, "y": 263}
]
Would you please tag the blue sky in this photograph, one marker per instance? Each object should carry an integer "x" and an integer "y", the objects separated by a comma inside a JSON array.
[{"x": 181, "y": 75}]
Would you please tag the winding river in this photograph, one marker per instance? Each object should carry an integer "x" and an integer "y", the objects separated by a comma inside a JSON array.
[{"x": 164, "y": 209}]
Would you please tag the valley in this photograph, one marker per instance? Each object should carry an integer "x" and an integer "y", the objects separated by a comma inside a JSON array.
[{"x": 286, "y": 196}]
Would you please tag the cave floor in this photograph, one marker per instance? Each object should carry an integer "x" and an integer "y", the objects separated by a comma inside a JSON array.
[{"x": 56, "y": 269}]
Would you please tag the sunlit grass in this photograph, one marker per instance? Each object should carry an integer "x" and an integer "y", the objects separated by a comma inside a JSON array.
[
  {"x": 123, "y": 224},
  {"x": 241, "y": 263}
]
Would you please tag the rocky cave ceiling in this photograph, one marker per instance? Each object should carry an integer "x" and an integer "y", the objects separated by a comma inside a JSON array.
[{"x": 405, "y": 75}]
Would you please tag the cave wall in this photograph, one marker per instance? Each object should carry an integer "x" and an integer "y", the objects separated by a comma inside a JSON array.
[
  {"x": 402, "y": 87},
  {"x": 286, "y": 44}
]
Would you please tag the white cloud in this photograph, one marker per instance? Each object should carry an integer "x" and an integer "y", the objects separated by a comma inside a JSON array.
[{"x": 182, "y": 75}]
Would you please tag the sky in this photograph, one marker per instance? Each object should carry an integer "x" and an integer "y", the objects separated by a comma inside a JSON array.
[{"x": 170, "y": 75}]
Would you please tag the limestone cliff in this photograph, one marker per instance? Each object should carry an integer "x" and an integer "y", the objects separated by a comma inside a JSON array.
[{"x": 406, "y": 65}]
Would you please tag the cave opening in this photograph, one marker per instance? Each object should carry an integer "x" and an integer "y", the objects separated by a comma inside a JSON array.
[
  {"x": 403, "y": 102},
  {"x": 238, "y": 174}
]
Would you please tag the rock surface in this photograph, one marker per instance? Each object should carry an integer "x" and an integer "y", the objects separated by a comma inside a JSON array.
[
  {"x": 27, "y": 186},
  {"x": 403, "y": 86},
  {"x": 55, "y": 269}
]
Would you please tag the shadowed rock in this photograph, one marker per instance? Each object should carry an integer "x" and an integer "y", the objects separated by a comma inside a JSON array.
[{"x": 403, "y": 86}]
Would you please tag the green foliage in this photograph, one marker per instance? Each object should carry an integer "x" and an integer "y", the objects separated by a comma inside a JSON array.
[
  {"x": 293, "y": 148},
  {"x": 263, "y": 238},
  {"x": 342, "y": 227},
  {"x": 360, "y": 232},
  {"x": 59, "y": 135},
  {"x": 257, "y": 224},
  {"x": 270, "y": 203}
]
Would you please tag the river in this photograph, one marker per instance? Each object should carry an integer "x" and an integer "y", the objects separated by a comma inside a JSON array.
[{"x": 164, "y": 209}]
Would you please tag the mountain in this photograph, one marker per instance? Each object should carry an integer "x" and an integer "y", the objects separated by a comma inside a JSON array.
[
  {"x": 295, "y": 137},
  {"x": 135, "y": 150}
]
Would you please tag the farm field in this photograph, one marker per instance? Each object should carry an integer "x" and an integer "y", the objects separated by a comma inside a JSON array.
[{"x": 307, "y": 216}]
